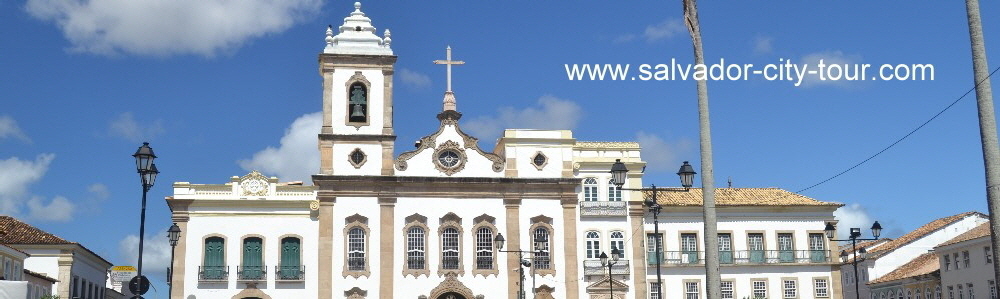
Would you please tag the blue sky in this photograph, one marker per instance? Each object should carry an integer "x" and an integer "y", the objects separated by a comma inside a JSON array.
[{"x": 216, "y": 87}]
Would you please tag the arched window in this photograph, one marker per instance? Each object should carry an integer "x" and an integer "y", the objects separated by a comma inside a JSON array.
[
  {"x": 909, "y": 294},
  {"x": 937, "y": 292},
  {"x": 618, "y": 241},
  {"x": 882, "y": 296},
  {"x": 291, "y": 259},
  {"x": 927, "y": 291},
  {"x": 214, "y": 263},
  {"x": 253, "y": 259},
  {"x": 542, "y": 245},
  {"x": 614, "y": 192},
  {"x": 484, "y": 248},
  {"x": 415, "y": 248},
  {"x": 357, "y": 103},
  {"x": 356, "y": 249},
  {"x": 590, "y": 189},
  {"x": 593, "y": 245},
  {"x": 449, "y": 248},
  {"x": 892, "y": 294},
  {"x": 899, "y": 294},
  {"x": 918, "y": 295}
]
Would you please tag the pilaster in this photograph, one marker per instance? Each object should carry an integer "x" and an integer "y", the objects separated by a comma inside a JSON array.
[
  {"x": 513, "y": 207},
  {"x": 65, "y": 263},
  {"x": 569, "y": 242},
  {"x": 387, "y": 222},
  {"x": 178, "y": 267},
  {"x": 325, "y": 246},
  {"x": 636, "y": 211}
]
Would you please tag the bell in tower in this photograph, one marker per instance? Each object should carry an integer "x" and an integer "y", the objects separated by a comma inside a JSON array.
[{"x": 358, "y": 104}]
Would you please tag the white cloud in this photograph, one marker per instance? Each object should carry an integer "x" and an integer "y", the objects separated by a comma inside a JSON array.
[
  {"x": 59, "y": 209},
  {"x": 155, "y": 252},
  {"x": 666, "y": 29},
  {"x": 15, "y": 177},
  {"x": 661, "y": 155},
  {"x": 763, "y": 45},
  {"x": 829, "y": 58},
  {"x": 99, "y": 191},
  {"x": 414, "y": 79},
  {"x": 297, "y": 156},
  {"x": 125, "y": 126},
  {"x": 551, "y": 113},
  {"x": 161, "y": 28},
  {"x": 10, "y": 129},
  {"x": 852, "y": 215}
]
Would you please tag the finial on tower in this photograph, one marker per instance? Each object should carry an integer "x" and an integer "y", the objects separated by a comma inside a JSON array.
[
  {"x": 357, "y": 6},
  {"x": 449, "y": 96}
]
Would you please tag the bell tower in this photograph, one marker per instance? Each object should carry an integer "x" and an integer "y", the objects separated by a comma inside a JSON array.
[{"x": 357, "y": 67}]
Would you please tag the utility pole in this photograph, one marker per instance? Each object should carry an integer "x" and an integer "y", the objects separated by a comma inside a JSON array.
[
  {"x": 713, "y": 279},
  {"x": 987, "y": 123}
]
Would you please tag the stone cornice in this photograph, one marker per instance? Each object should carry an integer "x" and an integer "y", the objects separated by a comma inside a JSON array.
[
  {"x": 329, "y": 62},
  {"x": 342, "y": 137},
  {"x": 455, "y": 187}
]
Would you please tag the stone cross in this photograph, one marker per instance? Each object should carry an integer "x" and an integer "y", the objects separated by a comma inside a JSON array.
[{"x": 449, "y": 63}]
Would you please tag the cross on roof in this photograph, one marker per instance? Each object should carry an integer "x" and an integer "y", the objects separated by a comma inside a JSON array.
[{"x": 448, "y": 62}]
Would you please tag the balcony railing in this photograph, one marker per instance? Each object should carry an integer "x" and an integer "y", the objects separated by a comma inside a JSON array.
[
  {"x": 449, "y": 262},
  {"x": 743, "y": 257},
  {"x": 213, "y": 273},
  {"x": 251, "y": 273},
  {"x": 594, "y": 267},
  {"x": 603, "y": 208},
  {"x": 290, "y": 273}
]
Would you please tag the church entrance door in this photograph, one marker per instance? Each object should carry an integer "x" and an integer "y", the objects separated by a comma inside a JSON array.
[{"x": 451, "y": 295}]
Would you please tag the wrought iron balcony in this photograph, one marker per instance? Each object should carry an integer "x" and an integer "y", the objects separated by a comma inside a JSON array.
[
  {"x": 251, "y": 273},
  {"x": 290, "y": 273},
  {"x": 603, "y": 208},
  {"x": 449, "y": 262},
  {"x": 743, "y": 257},
  {"x": 213, "y": 273},
  {"x": 594, "y": 267},
  {"x": 416, "y": 263}
]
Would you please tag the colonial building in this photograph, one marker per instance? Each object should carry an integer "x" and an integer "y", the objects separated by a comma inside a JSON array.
[
  {"x": 378, "y": 222},
  {"x": 74, "y": 270},
  {"x": 887, "y": 256},
  {"x": 967, "y": 265},
  {"x": 918, "y": 279}
]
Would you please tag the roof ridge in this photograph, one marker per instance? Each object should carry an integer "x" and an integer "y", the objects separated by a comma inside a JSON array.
[{"x": 920, "y": 232}]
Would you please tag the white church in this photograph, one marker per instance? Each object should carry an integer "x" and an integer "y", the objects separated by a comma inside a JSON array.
[{"x": 425, "y": 223}]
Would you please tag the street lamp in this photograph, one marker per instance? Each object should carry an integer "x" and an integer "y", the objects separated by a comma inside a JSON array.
[
  {"x": 859, "y": 255},
  {"x": 174, "y": 234},
  {"x": 147, "y": 173},
  {"x": 498, "y": 241},
  {"x": 615, "y": 255},
  {"x": 686, "y": 174}
]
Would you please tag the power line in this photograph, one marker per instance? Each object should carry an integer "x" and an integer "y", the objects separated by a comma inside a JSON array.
[{"x": 904, "y": 136}]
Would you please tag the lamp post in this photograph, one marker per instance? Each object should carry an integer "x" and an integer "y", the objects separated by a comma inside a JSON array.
[
  {"x": 498, "y": 241},
  {"x": 686, "y": 173},
  {"x": 615, "y": 255},
  {"x": 147, "y": 172},
  {"x": 173, "y": 234},
  {"x": 855, "y": 236}
]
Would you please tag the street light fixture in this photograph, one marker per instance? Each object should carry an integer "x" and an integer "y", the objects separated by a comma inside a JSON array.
[
  {"x": 144, "y": 158},
  {"x": 686, "y": 174},
  {"x": 173, "y": 234},
  {"x": 615, "y": 255},
  {"x": 859, "y": 255},
  {"x": 499, "y": 241}
]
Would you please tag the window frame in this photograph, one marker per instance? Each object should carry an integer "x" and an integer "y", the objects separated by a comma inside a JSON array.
[
  {"x": 785, "y": 289},
  {"x": 484, "y": 222},
  {"x": 415, "y": 221},
  {"x": 592, "y": 244},
  {"x": 359, "y": 222},
  {"x": 754, "y": 290},
  {"x": 614, "y": 192},
  {"x": 825, "y": 287},
  {"x": 545, "y": 223},
  {"x": 451, "y": 221},
  {"x": 263, "y": 255},
  {"x": 730, "y": 289},
  {"x": 591, "y": 189},
  {"x": 688, "y": 292}
]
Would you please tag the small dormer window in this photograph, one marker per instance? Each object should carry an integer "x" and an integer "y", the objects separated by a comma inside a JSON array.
[
  {"x": 539, "y": 160},
  {"x": 358, "y": 28},
  {"x": 357, "y": 104}
]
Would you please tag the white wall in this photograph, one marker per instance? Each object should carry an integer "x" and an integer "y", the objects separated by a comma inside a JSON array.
[{"x": 979, "y": 272}]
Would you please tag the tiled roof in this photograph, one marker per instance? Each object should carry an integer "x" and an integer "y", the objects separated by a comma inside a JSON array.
[
  {"x": 40, "y": 275},
  {"x": 920, "y": 233},
  {"x": 607, "y": 144},
  {"x": 13, "y": 231},
  {"x": 864, "y": 244},
  {"x": 738, "y": 197},
  {"x": 983, "y": 230},
  {"x": 924, "y": 264},
  {"x": 14, "y": 249}
]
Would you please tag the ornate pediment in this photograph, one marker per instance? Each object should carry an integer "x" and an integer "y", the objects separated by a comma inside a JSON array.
[
  {"x": 430, "y": 142},
  {"x": 254, "y": 184},
  {"x": 605, "y": 283}
]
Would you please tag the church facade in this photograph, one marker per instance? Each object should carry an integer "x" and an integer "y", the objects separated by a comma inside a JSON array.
[{"x": 378, "y": 222}]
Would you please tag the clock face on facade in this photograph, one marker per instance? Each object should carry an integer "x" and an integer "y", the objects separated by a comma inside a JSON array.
[{"x": 449, "y": 159}]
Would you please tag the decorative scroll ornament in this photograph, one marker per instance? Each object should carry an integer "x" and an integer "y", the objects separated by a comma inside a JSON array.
[
  {"x": 450, "y": 158},
  {"x": 254, "y": 184}
]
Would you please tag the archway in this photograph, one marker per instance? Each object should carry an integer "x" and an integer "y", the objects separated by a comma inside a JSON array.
[{"x": 451, "y": 288}]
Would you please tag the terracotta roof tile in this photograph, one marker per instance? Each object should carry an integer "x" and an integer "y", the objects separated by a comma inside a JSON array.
[
  {"x": 865, "y": 244},
  {"x": 13, "y": 231},
  {"x": 738, "y": 197},
  {"x": 920, "y": 233},
  {"x": 924, "y": 264},
  {"x": 983, "y": 230},
  {"x": 40, "y": 275}
]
